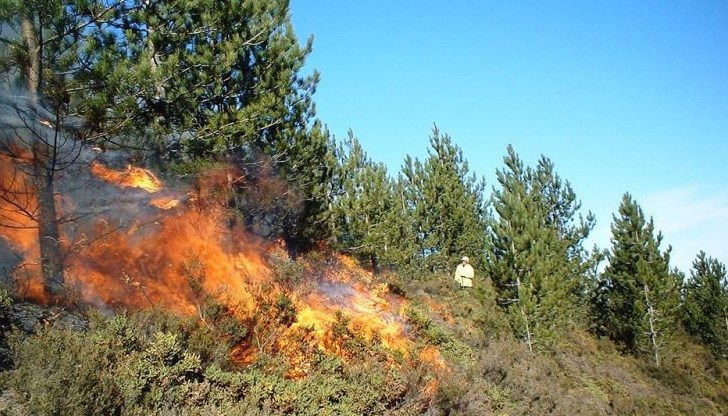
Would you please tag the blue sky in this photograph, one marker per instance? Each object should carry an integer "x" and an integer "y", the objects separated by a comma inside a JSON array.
[{"x": 620, "y": 95}]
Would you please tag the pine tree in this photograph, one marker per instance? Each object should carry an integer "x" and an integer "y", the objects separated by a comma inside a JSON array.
[
  {"x": 305, "y": 217},
  {"x": 402, "y": 247},
  {"x": 201, "y": 79},
  {"x": 200, "y": 76},
  {"x": 638, "y": 295},
  {"x": 537, "y": 263},
  {"x": 41, "y": 57},
  {"x": 706, "y": 303},
  {"x": 363, "y": 206},
  {"x": 445, "y": 205}
]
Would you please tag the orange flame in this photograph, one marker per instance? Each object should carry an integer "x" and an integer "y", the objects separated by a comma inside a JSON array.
[
  {"x": 132, "y": 177},
  {"x": 431, "y": 355},
  {"x": 159, "y": 263},
  {"x": 369, "y": 312},
  {"x": 165, "y": 202},
  {"x": 194, "y": 250},
  {"x": 18, "y": 205}
]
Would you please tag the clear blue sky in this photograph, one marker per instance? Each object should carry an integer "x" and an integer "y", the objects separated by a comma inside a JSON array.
[{"x": 620, "y": 95}]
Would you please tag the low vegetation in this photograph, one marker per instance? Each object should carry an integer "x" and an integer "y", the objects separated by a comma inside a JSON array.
[{"x": 152, "y": 362}]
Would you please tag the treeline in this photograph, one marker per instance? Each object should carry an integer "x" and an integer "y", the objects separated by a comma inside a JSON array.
[
  {"x": 528, "y": 239},
  {"x": 186, "y": 84}
]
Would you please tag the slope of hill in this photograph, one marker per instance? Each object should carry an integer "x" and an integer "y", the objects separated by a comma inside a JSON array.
[{"x": 455, "y": 356}]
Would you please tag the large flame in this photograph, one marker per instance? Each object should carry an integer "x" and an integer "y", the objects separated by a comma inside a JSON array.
[
  {"x": 174, "y": 258},
  {"x": 18, "y": 205},
  {"x": 370, "y": 311},
  {"x": 18, "y": 230},
  {"x": 159, "y": 263}
]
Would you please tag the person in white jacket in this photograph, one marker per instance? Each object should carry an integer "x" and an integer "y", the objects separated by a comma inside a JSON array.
[{"x": 464, "y": 273}]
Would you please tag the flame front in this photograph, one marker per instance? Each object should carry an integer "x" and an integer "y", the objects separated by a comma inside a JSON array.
[
  {"x": 174, "y": 258},
  {"x": 157, "y": 263},
  {"x": 369, "y": 310}
]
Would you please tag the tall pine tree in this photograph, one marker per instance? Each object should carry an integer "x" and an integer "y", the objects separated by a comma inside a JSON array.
[
  {"x": 402, "y": 234},
  {"x": 202, "y": 79},
  {"x": 445, "y": 205},
  {"x": 209, "y": 76},
  {"x": 537, "y": 262},
  {"x": 638, "y": 295},
  {"x": 362, "y": 208}
]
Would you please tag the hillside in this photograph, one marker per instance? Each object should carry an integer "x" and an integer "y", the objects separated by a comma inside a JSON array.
[
  {"x": 183, "y": 312},
  {"x": 454, "y": 355},
  {"x": 181, "y": 234}
]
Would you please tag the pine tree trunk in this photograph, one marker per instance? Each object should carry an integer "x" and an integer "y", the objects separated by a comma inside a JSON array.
[
  {"x": 529, "y": 339},
  {"x": 51, "y": 260},
  {"x": 43, "y": 159},
  {"x": 651, "y": 320},
  {"x": 160, "y": 95},
  {"x": 375, "y": 264},
  {"x": 33, "y": 69}
]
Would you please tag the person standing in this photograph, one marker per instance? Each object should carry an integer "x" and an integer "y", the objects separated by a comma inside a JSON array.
[{"x": 464, "y": 273}]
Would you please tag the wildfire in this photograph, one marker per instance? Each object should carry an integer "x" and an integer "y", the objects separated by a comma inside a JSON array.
[
  {"x": 132, "y": 177},
  {"x": 165, "y": 202},
  {"x": 370, "y": 316},
  {"x": 164, "y": 263},
  {"x": 171, "y": 260},
  {"x": 192, "y": 251},
  {"x": 17, "y": 205},
  {"x": 370, "y": 312},
  {"x": 431, "y": 355}
]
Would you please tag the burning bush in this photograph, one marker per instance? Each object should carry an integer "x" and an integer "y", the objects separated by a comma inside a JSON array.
[
  {"x": 150, "y": 363},
  {"x": 232, "y": 321}
]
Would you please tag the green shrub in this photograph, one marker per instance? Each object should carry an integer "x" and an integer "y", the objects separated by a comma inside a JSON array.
[
  {"x": 6, "y": 306},
  {"x": 160, "y": 375},
  {"x": 60, "y": 372},
  {"x": 190, "y": 167}
]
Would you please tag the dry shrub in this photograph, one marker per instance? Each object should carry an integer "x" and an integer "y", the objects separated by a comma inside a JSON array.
[{"x": 554, "y": 382}]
